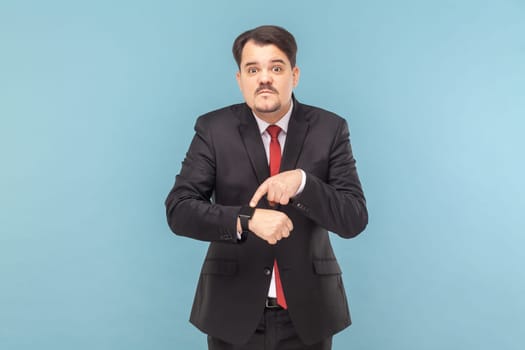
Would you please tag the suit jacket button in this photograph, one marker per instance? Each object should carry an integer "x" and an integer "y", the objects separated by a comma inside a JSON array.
[{"x": 267, "y": 271}]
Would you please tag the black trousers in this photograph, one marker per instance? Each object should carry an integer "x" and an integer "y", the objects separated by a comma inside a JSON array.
[{"x": 274, "y": 332}]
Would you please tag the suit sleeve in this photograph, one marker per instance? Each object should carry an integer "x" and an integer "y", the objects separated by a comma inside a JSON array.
[
  {"x": 190, "y": 209},
  {"x": 338, "y": 204}
]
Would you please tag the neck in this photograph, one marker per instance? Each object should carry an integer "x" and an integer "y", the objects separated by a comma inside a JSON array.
[{"x": 270, "y": 119}]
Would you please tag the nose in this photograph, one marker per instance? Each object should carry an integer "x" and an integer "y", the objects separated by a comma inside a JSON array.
[{"x": 265, "y": 77}]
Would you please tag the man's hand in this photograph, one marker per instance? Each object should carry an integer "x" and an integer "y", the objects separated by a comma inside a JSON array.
[
  {"x": 278, "y": 188},
  {"x": 270, "y": 225}
]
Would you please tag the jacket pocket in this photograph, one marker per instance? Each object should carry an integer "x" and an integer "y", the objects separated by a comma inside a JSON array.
[
  {"x": 219, "y": 267},
  {"x": 327, "y": 267}
]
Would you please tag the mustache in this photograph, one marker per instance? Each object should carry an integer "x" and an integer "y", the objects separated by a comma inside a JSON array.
[{"x": 265, "y": 87}]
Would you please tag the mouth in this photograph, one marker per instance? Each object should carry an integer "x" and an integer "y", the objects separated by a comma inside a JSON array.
[{"x": 265, "y": 91}]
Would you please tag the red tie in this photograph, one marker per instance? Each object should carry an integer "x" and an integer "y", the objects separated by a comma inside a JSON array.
[{"x": 275, "y": 163}]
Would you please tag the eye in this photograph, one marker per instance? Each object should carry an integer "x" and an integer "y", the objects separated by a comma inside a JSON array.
[
  {"x": 252, "y": 70},
  {"x": 277, "y": 69}
]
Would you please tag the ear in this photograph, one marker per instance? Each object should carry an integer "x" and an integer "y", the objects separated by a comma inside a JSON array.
[
  {"x": 296, "y": 72},
  {"x": 238, "y": 77}
]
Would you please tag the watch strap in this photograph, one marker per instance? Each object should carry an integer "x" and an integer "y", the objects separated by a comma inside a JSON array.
[{"x": 245, "y": 214}]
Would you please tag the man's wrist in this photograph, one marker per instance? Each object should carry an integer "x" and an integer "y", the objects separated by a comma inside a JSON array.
[
  {"x": 303, "y": 182},
  {"x": 243, "y": 218},
  {"x": 245, "y": 214},
  {"x": 239, "y": 227}
]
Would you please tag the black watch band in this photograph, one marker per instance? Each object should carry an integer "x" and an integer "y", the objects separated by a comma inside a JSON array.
[{"x": 245, "y": 214}]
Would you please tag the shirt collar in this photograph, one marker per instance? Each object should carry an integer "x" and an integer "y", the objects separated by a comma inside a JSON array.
[{"x": 282, "y": 123}]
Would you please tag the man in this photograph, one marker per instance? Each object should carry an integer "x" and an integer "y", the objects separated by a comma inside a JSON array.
[{"x": 264, "y": 182}]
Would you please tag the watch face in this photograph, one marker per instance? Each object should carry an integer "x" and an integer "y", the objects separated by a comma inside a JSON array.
[{"x": 247, "y": 212}]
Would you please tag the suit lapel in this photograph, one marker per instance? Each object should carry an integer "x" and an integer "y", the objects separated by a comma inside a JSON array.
[
  {"x": 297, "y": 130},
  {"x": 251, "y": 138}
]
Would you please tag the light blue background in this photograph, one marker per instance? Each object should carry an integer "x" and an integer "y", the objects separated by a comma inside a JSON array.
[{"x": 97, "y": 105}]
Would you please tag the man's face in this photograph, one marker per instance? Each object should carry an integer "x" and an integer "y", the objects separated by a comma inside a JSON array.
[{"x": 266, "y": 79}]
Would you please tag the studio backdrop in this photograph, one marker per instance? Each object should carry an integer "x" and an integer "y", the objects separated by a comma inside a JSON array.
[{"x": 97, "y": 105}]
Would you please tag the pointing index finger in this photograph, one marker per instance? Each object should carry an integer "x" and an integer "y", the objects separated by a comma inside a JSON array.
[{"x": 259, "y": 193}]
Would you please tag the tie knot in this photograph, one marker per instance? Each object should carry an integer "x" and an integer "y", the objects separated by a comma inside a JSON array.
[{"x": 273, "y": 130}]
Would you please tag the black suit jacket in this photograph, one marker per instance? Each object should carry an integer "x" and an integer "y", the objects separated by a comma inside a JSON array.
[{"x": 225, "y": 164}]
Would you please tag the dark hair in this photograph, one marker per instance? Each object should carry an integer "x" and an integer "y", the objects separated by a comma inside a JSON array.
[{"x": 266, "y": 35}]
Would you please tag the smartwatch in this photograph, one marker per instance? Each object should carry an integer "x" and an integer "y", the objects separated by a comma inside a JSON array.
[{"x": 245, "y": 214}]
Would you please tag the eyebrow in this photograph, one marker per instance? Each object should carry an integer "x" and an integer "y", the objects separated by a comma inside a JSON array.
[{"x": 277, "y": 60}]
